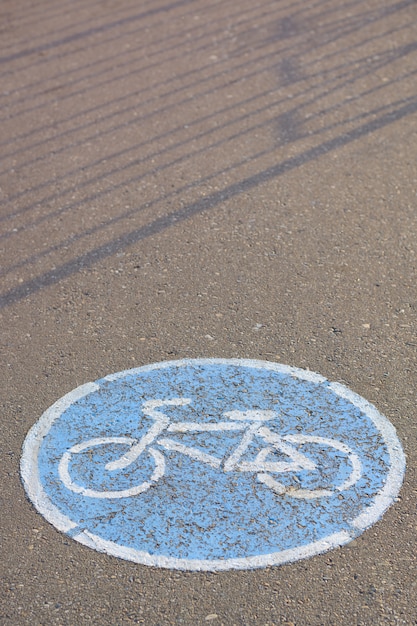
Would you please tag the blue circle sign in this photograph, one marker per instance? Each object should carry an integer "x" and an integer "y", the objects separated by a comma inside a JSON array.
[{"x": 212, "y": 464}]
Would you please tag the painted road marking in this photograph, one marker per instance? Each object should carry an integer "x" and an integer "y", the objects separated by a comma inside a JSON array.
[{"x": 212, "y": 464}]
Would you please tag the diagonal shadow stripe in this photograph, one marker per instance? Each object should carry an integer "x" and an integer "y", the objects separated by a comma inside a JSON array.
[
  {"x": 162, "y": 223},
  {"x": 93, "y": 31}
]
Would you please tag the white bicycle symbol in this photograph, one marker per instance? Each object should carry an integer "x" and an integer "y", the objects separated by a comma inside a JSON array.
[{"x": 250, "y": 423}]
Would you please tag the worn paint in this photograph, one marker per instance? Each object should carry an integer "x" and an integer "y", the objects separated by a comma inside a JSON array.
[{"x": 212, "y": 464}]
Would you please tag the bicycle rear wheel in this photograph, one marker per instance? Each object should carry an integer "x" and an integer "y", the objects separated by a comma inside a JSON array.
[{"x": 324, "y": 460}]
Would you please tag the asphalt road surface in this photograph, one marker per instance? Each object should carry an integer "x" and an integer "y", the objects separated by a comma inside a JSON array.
[{"x": 196, "y": 179}]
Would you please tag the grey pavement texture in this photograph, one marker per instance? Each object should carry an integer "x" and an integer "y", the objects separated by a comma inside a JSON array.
[{"x": 207, "y": 179}]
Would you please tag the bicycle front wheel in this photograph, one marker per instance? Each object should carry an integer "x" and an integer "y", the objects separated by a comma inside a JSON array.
[{"x": 92, "y": 455}]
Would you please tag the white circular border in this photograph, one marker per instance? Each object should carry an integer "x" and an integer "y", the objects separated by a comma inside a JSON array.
[{"x": 383, "y": 499}]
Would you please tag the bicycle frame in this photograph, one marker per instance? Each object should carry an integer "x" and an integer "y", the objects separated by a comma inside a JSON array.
[{"x": 249, "y": 422}]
